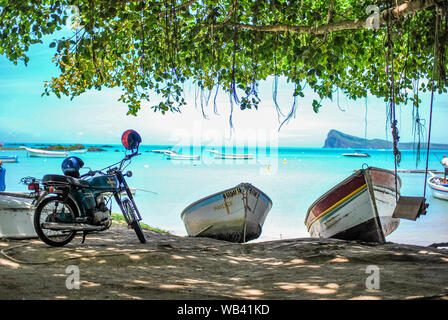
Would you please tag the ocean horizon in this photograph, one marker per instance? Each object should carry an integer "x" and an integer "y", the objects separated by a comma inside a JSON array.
[{"x": 292, "y": 177}]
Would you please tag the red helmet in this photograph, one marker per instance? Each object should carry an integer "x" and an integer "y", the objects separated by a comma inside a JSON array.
[{"x": 131, "y": 139}]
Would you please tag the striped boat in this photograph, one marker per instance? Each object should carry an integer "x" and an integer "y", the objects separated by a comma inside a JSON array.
[
  {"x": 358, "y": 208},
  {"x": 236, "y": 214},
  {"x": 439, "y": 189}
]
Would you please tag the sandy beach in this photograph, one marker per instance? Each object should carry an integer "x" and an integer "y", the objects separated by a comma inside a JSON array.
[{"x": 114, "y": 265}]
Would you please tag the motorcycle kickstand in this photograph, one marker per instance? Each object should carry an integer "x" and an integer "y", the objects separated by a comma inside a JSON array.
[{"x": 84, "y": 234}]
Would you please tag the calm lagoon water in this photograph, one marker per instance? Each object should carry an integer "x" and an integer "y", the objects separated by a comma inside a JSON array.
[{"x": 295, "y": 178}]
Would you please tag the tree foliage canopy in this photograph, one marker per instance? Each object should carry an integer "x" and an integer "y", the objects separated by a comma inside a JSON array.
[{"x": 145, "y": 46}]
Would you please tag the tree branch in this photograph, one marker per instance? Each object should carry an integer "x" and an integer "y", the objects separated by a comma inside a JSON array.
[{"x": 407, "y": 7}]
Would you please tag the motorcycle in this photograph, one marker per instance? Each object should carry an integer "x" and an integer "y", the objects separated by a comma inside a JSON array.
[{"x": 83, "y": 203}]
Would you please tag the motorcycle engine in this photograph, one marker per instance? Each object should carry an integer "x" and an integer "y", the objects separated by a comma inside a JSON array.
[{"x": 101, "y": 215}]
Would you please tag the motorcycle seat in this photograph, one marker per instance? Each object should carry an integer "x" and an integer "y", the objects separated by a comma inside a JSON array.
[{"x": 56, "y": 179}]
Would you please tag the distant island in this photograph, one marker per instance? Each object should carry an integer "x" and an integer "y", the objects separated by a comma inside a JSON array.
[
  {"x": 337, "y": 139},
  {"x": 71, "y": 148},
  {"x": 57, "y": 147}
]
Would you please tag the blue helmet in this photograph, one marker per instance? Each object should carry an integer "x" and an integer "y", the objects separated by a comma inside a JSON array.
[{"x": 71, "y": 165}]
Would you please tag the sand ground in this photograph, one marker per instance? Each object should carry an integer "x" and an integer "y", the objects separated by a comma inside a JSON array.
[{"x": 114, "y": 265}]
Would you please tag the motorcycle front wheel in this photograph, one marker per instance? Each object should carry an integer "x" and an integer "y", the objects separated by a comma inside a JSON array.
[
  {"x": 131, "y": 218},
  {"x": 50, "y": 210}
]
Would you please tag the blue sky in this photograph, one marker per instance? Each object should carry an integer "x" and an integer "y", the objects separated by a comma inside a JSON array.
[{"x": 97, "y": 116}]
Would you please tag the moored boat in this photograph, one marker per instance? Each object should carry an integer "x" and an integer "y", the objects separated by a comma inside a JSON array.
[
  {"x": 46, "y": 153},
  {"x": 358, "y": 208},
  {"x": 16, "y": 216},
  {"x": 356, "y": 154},
  {"x": 236, "y": 214},
  {"x": 8, "y": 159},
  {"x": 79, "y": 151},
  {"x": 160, "y": 150},
  {"x": 438, "y": 186},
  {"x": 173, "y": 155},
  {"x": 219, "y": 155}
]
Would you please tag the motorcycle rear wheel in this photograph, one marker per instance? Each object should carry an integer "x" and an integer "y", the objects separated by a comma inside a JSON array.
[
  {"x": 46, "y": 211},
  {"x": 131, "y": 219}
]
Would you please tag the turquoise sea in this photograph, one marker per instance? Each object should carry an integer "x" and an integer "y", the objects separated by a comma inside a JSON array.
[{"x": 292, "y": 177}]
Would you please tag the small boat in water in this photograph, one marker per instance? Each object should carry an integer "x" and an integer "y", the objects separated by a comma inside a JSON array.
[
  {"x": 358, "y": 208},
  {"x": 219, "y": 155},
  {"x": 16, "y": 216},
  {"x": 79, "y": 151},
  {"x": 438, "y": 186},
  {"x": 8, "y": 159},
  {"x": 236, "y": 214},
  {"x": 357, "y": 154},
  {"x": 173, "y": 155},
  {"x": 46, "y": 153},
  {"x": 160, "y": 151}
]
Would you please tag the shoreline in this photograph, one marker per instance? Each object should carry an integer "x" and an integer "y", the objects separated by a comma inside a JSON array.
[{"x": 173, "y": 267}]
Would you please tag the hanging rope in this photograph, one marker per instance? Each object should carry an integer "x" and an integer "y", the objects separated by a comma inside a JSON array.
[
  {"x": 432, "y": 95},
  {"x": 392, "y": 113}
]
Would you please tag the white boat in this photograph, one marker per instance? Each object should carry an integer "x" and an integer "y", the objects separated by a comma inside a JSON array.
[
  {"x": 358, "y": 208},
  {"x": 16, "y": 216},
  {"x": 236, "y": 214},
  {"x": 46, "y": 153},
  {"x": 173, "y": 155},
  {"x": 356, "y": 154},
  {"x": 160, "y": 151},
  {"x": 8, "y": 159},
  {"x": 438, "y": 186},
  {"x": 79, "y": 151},
  {"x": 219, "y": 155}
]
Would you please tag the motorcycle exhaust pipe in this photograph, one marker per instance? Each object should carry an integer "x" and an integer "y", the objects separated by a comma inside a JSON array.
[{"x": 71, "y": 226}]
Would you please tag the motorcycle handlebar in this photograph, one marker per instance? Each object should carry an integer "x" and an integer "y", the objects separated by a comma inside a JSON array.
[{"x": 127, "y": 157}]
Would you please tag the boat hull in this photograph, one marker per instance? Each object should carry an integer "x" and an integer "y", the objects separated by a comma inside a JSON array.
[
  {"x": 46, "y": 153},
  {"x": 9, "y": 159},
  {"x": 79, "y": 151},
  {"x": 234, "y": 156},
  {"x": 171, "y": 155},
  {"x": 235, "y": 215},
  {"x": 438, "y": 191},
  {"x": 356, "y": 209},
  {"x": 356, "y": 155},
  {"x": 182, "y": 157},
  {"x": 16, "y": 218}
]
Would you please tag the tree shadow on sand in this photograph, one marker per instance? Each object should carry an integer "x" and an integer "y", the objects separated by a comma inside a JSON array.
[{"x": 114, "y": 265}]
